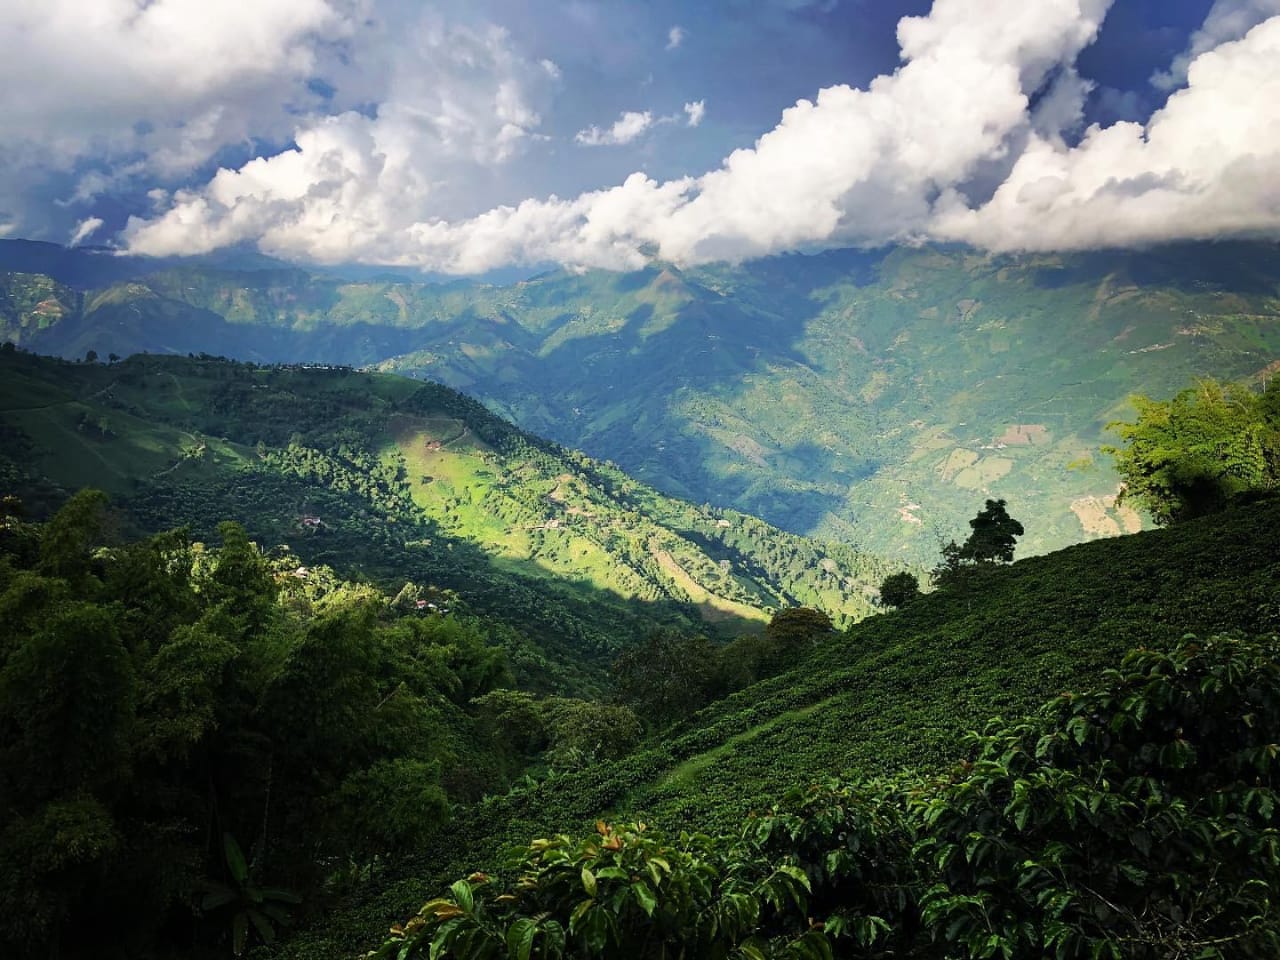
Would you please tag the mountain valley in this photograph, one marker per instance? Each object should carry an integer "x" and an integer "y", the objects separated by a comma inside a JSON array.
[{"x": 870, "y": 398}]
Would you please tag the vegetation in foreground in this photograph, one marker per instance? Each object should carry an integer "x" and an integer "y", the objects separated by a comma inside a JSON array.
[
  {"x": 888, "y": 698},
  {"x": 239, "y": 748},
  {"x": 183, "y": 727},
  {"x": 1136, "y": 820}
]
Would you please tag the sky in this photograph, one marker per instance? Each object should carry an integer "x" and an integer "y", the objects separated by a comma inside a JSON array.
[{"x": 467, "y": 137}]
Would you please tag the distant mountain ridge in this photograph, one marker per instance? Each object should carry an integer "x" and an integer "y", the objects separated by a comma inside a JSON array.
[{"x": 874, "y": 397}]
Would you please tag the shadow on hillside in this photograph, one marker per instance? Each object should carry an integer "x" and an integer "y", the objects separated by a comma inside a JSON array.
[{"x": 1194, "y": 268}]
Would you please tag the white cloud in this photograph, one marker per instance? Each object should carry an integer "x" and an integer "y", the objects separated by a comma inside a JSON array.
[
  {"x": 461, "y": 100},
  {"x": 122, "y": 92},
  {"x": 694, "y": 112},
  {"x": 84, "y": 230},
  {"x": 1227, "y": 20},
  {"x": 675, "y": 37},
  {"x": 626, "y": 128},
  {"x": 172, "y": 79},
  {"x": 1203, "y": 166},
  {"x": 947, "y": 147},
  {"x": 855, "y": 166}
]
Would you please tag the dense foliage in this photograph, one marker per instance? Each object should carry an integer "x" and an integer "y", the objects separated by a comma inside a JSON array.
[
  {"x": 1136, "y": 820},
  {"x": 190, "y": 746},
  {"x": 1194, "y": 454},
  {"x": 993, "y": 539},
  {"x": 201, "y": 746},
  {"x": 899, "y": 589},
  {"x": 888, "y": 697}
]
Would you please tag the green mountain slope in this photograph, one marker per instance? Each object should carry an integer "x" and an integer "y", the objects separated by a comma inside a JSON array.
[
  {"x": 868, "y": 397},
  {"x": 397, "y": 480},
  {"x": 894, "y": 694}
]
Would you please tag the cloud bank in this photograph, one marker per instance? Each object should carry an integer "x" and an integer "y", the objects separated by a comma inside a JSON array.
[{"x": 973, "y": 138}]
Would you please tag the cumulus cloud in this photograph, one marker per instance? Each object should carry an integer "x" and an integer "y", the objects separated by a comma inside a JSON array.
[
  {"x": 854, "y": 166},
  {"x": 966, "y": 140},
  {"x": 675, "y": 37},
  {"x": 84, "y": 230},
  {"x": 694, "y": 112},
  {"x": 1227, "y": 20},
  {"x": 461, "y": 99},
  {"x": 172, "y": 80},
  {"x": 105, "y": 94},
  {"x": 626, "y": 128},
  {"x": 1203, "y": 166}
]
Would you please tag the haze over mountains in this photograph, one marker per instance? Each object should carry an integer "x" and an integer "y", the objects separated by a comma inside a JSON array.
[{"x": 871, "y": 397}]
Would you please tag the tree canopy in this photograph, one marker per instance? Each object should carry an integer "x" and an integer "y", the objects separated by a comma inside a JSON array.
[
  {"x": 994, "y": 537},
  {"x": 899, "y": 589},
  {"x": 174, "y": 739},
  {"x": 1193, "y": 454}
]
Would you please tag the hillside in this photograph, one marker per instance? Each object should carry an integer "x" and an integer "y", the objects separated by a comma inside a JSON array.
[
  {"x": 893, "y": 694},
  {"x": 394, "y": 479},
  {"x": 867, "y": 397}
]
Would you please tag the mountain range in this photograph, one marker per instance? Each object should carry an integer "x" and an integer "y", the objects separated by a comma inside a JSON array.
[{"x": 874, "y": 398}]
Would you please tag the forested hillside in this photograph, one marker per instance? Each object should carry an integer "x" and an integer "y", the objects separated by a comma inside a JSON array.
[
  {"x": 195, "y": 741},
  {"x": 195, "y": 725},
  {"x": 1135, "y": 819},
  {"x": 396, "y": 480},
  {"x": 869, "y": 397}
]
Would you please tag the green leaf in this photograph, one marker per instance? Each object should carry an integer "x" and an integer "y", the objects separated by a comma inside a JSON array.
[
  {"x": 235, "y": 859},
  {"x": 588, "y": 882},
  {"x": 281, "y": 894},
  {"x": 217, "y": 898},
  {"x": 263, "y": 926},
  {"x": 277, "y": 913},
  {"x": 1020, "y": 816},
  {"x": 645, "y": 896},
  {"x": 239, "y": 933},
  {"x": 462, "y": 895},
  {"x": 520, "y": 938}
]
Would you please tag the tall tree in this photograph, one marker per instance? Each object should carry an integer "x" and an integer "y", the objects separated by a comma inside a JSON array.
[
  {"x": 666, "y": 677},
  {"x": 1192, "y": 455},
  {"x": 995, "y": 534},
  {"x": 899, "y": 589}
]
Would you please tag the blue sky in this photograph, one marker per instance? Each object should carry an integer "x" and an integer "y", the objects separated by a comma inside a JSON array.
[{"x": 465, "y": 137}]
